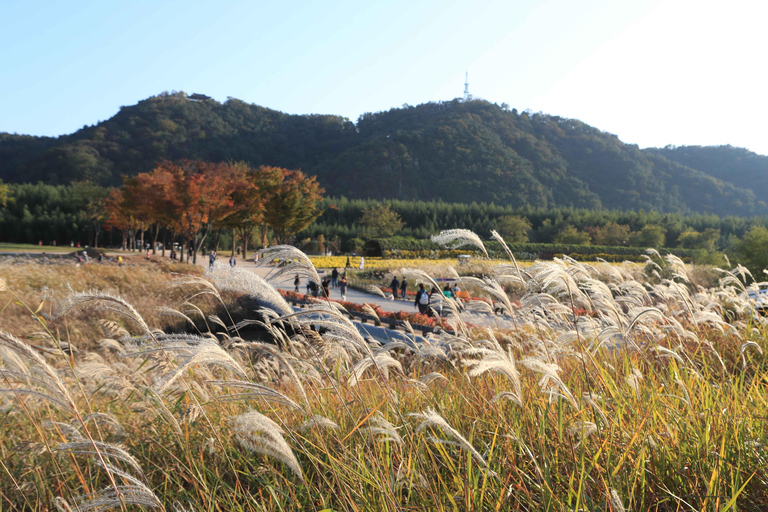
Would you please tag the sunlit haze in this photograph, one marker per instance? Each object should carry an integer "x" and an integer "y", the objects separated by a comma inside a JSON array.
[{"x": 653, "y": 73}]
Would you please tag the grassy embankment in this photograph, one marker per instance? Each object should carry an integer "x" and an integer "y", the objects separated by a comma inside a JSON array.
[{"x": 634, "y": 410}]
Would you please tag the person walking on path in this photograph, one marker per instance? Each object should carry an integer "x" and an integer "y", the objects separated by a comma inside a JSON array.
[
  {"x": 362, "y": 263},
  {"x": 343, "y": 288},
  {"x": 335, "y": 278},
  {"x": 326, "y": 285},
  {"x": 211, "y": 259},
  {"x": 404, "y": 288},
  {"x": 296, "y": 282},
  {"x": 395, "y": 285},
  {"x": 348, "y": 263},
  {"x": 232, "y": 261},
  {"x": 422, "y": 300}
]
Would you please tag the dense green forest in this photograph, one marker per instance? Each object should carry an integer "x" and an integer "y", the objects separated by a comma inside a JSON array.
[
  {"x": 451, "y": 151},
  {"x": 423, "y": 219},
  {"x": 73, "y": 213}
]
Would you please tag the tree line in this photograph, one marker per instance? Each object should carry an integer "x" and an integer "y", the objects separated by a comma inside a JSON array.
[
  {"x": 194, "y": 203},
  {"x": 183, "y": 201}
]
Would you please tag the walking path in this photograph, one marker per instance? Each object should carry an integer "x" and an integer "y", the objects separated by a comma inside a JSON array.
[{"x": 355, "y": 296}]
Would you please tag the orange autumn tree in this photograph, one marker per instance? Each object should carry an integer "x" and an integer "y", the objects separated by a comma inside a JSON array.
[
  {"x": 119, "y": 215},
  {"x": 251, "y": 201},
  {"x": 198, "y": 195},
  {"x": 144, "y": 196}
]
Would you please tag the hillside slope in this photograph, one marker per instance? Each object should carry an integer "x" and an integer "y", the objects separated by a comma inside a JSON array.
[{"x": 455, "y": 151}]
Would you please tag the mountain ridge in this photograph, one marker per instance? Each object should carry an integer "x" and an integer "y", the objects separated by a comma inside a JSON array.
[{"x": 455, "y": 151}]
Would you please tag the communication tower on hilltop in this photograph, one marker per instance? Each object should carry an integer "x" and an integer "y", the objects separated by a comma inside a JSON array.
[{"x": 466, "y": 86}]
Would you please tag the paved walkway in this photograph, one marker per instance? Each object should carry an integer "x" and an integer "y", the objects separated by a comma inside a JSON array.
[{"x": 358, "y": 297}]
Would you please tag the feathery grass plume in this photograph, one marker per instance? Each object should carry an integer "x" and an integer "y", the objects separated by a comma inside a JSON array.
[
  {"x": 499, "y": 361},
  {"x": 744, "y": 347},
  {"x": 410, "y": 478},
  {"x": 616, "y": 502},
  {"x": 665, "y": 352},
  {"x": 511, "y": 255},
  {"x": 549, "y": 372},
  {"x": 455, "y": 238},
  {"x": 368, "y": 310},
  {"x": 186, "y": 280},
  {"x": 433, "y": 377},
  {"x": 254, "y": 391},
  {"x": 111, "y": 344},
  {"x": 113, "y": 330},
  {"x": 419, "y": 275},
  {"x": 591, "y": 399},
  {"x": 98, "y": 301},
  {"x": 65, "y": 430},
  {"x": 382, "y": 430},
  {"x": 431, "y": 418},
  {"x": 633, "y": 381},
  {"x": 284, "y": 362},
  {"x": 197, "y": 350},
  {"x": 53, "y": 388},
  {"x": 245, "y": 281},
  {"x": 104, "y": 377},
  {"x": 108, "y": 451},
  {"x": 174, "y": 312},
  {"x": 257, "y": 433},
  {"x": 208, "y": 354},
  {"x": 374, "y": 290},
  {"x": 318, "y": 421},
  {"x": 582, "y": 429},
  {"x": 108, "y": 498},
  {"x": 290, "y": 261},
  {"x": 105, "y": 419},
  {"x": 158, "y": 407},
  {"x": 494, "y": 289},
  {"x": 556, "y": 279},
  {"x": 382, "y": 361}
]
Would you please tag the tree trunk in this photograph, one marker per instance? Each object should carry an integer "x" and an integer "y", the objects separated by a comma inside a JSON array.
[
  {"x": 154, "y": 241},
  {"x": 234, "y": 240},
  {"x": 246, "y": 236},
  {"x": 165, "y": 240}
]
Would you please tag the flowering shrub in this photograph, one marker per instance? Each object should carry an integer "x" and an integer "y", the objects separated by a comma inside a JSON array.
[{"x": 413, "y": 318}]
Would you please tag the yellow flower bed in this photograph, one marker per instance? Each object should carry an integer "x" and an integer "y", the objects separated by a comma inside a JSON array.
[{"x": 354, "y": 261}]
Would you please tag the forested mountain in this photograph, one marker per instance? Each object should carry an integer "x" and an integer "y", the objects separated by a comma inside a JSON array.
[
  {"x": 737, "y": 166},
  {"x": 454, "y": 151}
]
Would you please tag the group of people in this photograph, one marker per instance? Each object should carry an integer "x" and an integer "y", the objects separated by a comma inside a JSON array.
[
  {"x": 424, "y": 298},
  {"x": 326, "y": 284},
  {"x": 399, "y": 286}
]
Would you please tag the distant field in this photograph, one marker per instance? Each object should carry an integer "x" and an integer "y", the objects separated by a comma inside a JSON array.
[{"x": 6, "y": 247}]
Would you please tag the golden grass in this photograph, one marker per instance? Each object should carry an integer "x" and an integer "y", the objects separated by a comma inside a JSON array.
[
  {"x": 145, "y": 285},
  {"x": 643, "y": 415}
]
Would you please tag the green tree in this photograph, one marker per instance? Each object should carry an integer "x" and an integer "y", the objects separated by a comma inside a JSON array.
[
  {"x": 752, "y": 251},
  {"x": 381, "y": 221},
  {"x": 292, "y": 206},
  {"x": 514, "y": 228},
  {"x": 570, "y": 235},
  {"x": 651, "y": 236},
  {"x": 612, "y": 234},
  {"x": 5, "y": 194},
  {"x": 691, "y": 239}
]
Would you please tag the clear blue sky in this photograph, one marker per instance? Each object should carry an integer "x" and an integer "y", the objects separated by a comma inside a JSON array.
[{"x": 652, "y": 72}]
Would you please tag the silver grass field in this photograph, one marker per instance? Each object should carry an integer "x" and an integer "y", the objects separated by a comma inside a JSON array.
[{"x": 597, "y": 387}]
